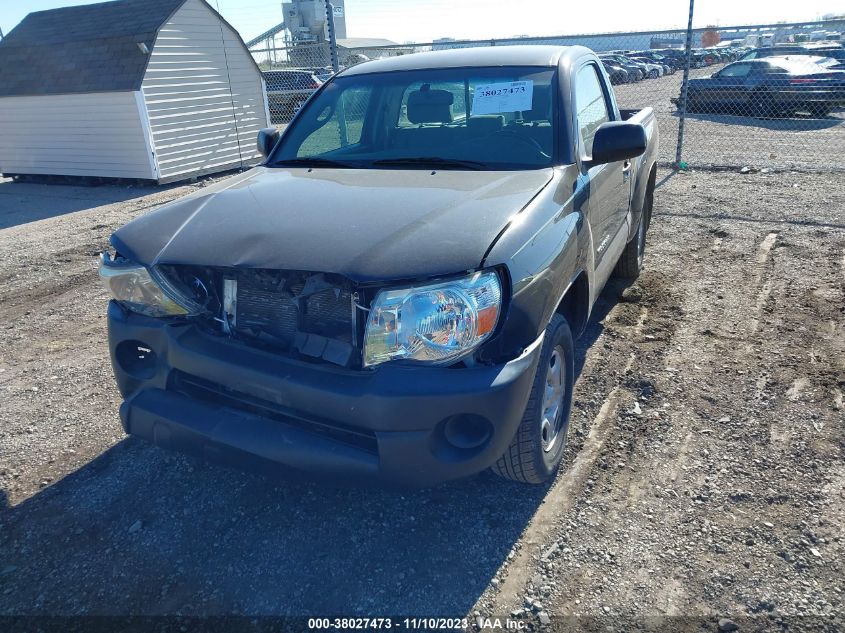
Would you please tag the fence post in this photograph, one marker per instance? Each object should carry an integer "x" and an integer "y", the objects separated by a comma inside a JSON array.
[
  {"x": 332, "y": 39},
  {"x": 682, "y": 104},
  {"x": 341, "y": 113}
]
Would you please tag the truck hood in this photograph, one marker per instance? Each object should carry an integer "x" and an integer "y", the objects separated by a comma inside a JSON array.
[{"x": 367, "y": 225}]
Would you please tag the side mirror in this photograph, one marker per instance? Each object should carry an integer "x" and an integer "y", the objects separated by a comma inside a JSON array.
[
  {"x": 267, "y": 138},
  {"x": 618, "y": 140}
]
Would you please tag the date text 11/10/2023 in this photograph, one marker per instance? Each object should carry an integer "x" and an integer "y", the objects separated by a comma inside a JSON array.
[{"x": 416, "y": 624}]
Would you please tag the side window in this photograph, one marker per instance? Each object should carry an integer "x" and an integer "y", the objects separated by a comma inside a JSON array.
[
  {"x": 340, "y": 126},
  {"x": 591, "y": 105},
  {"x": 736, "y": 70}
]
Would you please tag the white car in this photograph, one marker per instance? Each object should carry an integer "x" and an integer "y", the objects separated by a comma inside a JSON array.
[{"x": 653, "y": 71}]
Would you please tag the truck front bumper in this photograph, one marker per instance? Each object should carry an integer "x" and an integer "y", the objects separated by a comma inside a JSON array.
[{"x": 404, "y": 425}]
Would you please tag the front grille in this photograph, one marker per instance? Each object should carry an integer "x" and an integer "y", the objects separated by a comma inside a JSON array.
[
  {"x": 266, "y": 311},
  {"x": 309, "y": 315},
  {"x": 282, "y": 307},
  {"x": 207, "y": 391}
]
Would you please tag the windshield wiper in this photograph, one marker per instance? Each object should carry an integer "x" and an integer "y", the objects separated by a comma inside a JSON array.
[
  {"x": 312, "y": 161},
  {"x": 431, "y": 161}
]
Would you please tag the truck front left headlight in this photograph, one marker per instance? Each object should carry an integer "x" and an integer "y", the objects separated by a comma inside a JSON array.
[
  {"x": 139, "y": 290},
  {"x": 438, "y": 323}
]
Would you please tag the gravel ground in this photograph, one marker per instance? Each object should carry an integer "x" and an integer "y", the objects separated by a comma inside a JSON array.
[
  {"x": 704, "y": 474},
  {"x": 729, "y": 139}
]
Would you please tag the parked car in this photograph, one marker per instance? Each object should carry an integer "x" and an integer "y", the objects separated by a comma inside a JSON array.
[
  {"x": 287, "y": 91},
  {"x": 645, "y": 67},
  {"x": 617, "y": 74},
  {"x": 669, "y": 64},
  {"x": 636, "y": 71},
  {"x": 834, "y": 51},
  {"x": 322, "y": 73},
  {"x": 396, "y": 302},
  {"x": 698, "y": 59},
  {"x": 653, "y": 69},
  {"x": 771, "y": 51},
  {"x": 772, "y": 86}
]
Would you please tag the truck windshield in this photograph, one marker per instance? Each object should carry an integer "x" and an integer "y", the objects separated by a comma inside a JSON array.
[{"x": 454, "y": 118}]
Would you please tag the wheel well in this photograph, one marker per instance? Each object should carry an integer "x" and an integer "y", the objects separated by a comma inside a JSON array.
[{"x": 574, "y": 306}]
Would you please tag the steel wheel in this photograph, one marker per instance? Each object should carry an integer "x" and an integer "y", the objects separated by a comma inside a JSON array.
[
  {"x": 537, "y": 447},
  {"x": 553, "y": 399}
]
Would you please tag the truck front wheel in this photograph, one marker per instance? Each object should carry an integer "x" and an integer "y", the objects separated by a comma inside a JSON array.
[{"x": 537, "y": 447}]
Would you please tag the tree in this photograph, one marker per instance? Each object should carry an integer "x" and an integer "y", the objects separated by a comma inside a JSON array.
[{"x": 710, "y": 37}]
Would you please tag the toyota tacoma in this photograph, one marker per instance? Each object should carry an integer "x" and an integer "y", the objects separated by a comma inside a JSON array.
[{"x": 393, "y": 293}]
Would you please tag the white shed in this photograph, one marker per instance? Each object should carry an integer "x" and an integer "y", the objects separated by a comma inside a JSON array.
[{"x": 158, "y": 90}]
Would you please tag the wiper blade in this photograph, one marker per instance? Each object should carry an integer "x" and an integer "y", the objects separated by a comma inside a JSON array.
[
  {"x": 311, "y": 161},
  {"x": 431, "y": 161}
]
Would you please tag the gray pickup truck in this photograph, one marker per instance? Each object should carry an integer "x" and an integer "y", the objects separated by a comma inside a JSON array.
[{"x": 392, "y": 295}]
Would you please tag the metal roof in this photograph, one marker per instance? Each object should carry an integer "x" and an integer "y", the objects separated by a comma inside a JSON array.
[
  {"x": 87, "y": 48},
  {"x": 365, "y": 42},
  {"x": 525, "y": 55}
]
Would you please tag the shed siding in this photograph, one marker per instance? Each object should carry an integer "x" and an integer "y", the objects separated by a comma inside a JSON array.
[
  {"x": 92, "y": 134},
  {"x": 205, "y": 104},
  {"x": 248, "y": 95}
]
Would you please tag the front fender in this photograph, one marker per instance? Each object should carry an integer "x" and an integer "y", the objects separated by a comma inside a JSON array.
[{"x": 544, "y": 249}]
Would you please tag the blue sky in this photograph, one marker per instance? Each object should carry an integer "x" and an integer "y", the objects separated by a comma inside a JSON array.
[{"x": 424, "y": 20}]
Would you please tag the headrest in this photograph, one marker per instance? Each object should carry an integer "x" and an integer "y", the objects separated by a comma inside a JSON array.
[
  {"x": 430, "y": 106},
  {"x": 485, "y": 124},
  {"x": 541, "y": 105}
]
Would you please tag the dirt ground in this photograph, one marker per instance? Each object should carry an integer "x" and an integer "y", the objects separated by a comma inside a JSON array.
[{"x": 704, "y": 476}]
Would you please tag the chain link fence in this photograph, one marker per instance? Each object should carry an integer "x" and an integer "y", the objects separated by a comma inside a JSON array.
[{"x": 760, "y": 95}]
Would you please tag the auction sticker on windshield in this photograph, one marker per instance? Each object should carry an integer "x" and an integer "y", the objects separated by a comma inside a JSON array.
[{"x": 511, "y": 96}]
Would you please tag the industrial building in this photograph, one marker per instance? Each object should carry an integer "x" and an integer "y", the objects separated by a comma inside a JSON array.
[{"x": 304, "y": 37}]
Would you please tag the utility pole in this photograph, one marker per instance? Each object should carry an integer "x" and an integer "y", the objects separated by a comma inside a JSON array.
[
  {"x": 682, "y": 104},
  {"x": 332, "y": 38},
  {"x": 341, "y": 113}
]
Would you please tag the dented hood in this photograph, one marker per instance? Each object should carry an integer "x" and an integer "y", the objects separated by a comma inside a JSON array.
[{"x": 365, "y": 224}]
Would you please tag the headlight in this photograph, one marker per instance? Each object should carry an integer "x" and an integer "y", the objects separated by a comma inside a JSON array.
[
  {"x": 135, "y": 288},
  {"x": 438, "y": 323}
]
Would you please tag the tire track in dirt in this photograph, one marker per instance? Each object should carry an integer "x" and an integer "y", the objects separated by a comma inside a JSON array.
[
  {"x": 625, "y": 326},
  {"x": 763, "y": 253}
]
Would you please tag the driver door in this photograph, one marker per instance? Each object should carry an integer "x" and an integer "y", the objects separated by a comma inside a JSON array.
[{"x": 610, "y": 183}]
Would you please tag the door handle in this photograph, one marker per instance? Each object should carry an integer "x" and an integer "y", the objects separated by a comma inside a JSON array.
[{"x": 626, "y": 171}]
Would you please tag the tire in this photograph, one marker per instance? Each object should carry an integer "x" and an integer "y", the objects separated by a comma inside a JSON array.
[
  {"x": 630, "y": 264},
  {"x": 653, "y": 74},
  {"x": 536, "y": 450}
]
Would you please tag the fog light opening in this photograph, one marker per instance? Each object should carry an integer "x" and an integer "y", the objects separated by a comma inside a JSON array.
[
  {"x": 467, "y": 431},
  {"x": 137, "y": 359}
]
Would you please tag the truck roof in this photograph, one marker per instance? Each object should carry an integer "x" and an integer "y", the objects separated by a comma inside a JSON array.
[{"x": 488, "y": 56}]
